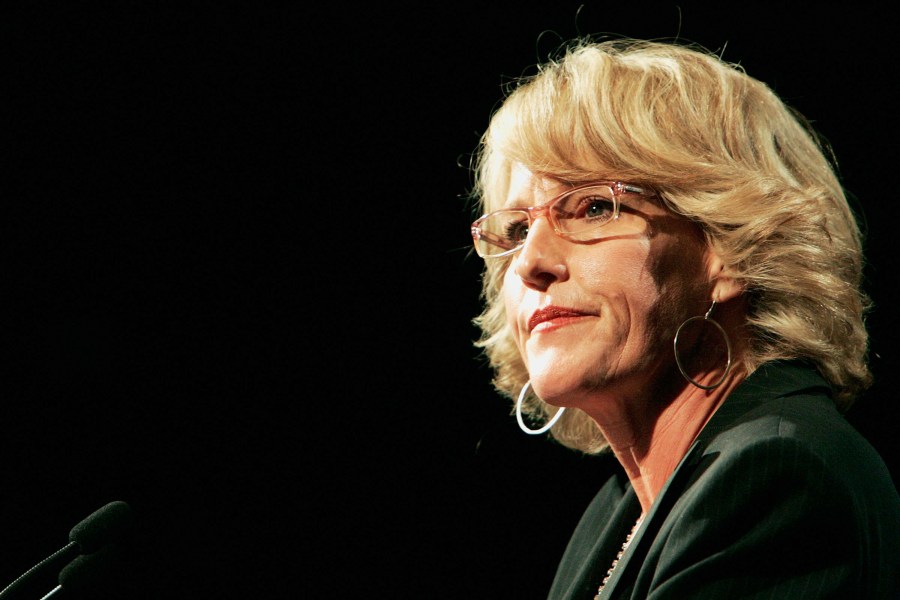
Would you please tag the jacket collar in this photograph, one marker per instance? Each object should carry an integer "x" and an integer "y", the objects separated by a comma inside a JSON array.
[{"x": 772, "y": 380}]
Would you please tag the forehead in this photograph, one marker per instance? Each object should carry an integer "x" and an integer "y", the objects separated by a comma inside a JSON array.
[{"x": 527, "y": 188}]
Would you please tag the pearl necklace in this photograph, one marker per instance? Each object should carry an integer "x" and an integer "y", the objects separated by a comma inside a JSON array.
[{"x": 618, "y": 557}]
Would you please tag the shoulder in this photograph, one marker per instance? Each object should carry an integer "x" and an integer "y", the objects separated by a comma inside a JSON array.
[
  {"x": 783, "y": 418},
  {"x": 784, "y": 477},
  {"x": 788, "y": 488},
  {"x": 779, "y": 459},
  {"x": 793, "y": 447}
]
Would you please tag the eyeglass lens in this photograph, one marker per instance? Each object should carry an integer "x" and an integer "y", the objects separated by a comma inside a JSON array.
[{"x": 575, "y": 215}]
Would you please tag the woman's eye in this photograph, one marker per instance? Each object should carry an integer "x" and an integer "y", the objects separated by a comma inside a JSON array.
[
  {"x": 516, "y": 232},
  {"x": 594, "y": 209}
]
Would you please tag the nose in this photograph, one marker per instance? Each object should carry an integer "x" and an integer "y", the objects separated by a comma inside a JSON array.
[{"x": 541, "y": 261}]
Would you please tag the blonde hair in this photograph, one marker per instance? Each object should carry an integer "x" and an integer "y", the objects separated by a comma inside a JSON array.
[{"x": 722, "y": 150}]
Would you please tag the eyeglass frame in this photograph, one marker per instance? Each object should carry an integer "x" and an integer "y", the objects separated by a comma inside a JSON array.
[{"x": 618, "y": 188}]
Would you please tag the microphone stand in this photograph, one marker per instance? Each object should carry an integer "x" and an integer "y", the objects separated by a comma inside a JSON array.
[{"x": 66, "y": 553}]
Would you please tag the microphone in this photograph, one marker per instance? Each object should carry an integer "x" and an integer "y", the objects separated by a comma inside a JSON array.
[
  {"x": 85, "y": 571},
  {"x": 99, "y": 528}
]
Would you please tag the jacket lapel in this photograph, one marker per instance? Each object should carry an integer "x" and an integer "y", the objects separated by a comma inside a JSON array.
[{"x": 770, "y": 381}]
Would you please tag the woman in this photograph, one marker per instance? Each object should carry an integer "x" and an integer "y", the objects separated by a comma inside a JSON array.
[{"x": 672, "y": 274}]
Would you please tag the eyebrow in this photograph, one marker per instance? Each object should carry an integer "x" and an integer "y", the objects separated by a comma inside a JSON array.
[{"x": 520, "y": 203}]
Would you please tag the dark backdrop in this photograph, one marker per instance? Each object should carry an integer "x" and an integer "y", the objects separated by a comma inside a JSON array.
[{"x": 239, "y": 293}]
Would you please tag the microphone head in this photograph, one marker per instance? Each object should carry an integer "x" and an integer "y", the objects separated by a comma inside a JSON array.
[
  {"x": 102, "y": 526},
  {"x": 88, "y": 570}
]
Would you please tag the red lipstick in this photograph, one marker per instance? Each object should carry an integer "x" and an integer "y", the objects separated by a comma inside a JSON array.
[{"x": 552, "y": 313}]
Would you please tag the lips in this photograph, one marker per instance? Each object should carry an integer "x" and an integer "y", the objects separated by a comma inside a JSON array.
[{"x": 551, "y": 313}]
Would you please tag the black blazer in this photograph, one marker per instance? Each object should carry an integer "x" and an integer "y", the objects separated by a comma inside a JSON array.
[{"x": 778, "y": 498}]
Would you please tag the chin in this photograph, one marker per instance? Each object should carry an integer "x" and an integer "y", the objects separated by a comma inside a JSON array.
[{"x": 555, "y": 392}]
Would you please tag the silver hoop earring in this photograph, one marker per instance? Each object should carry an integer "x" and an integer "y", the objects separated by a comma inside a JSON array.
[
  {"x": 521, "y": 421},
  {"x": 706, "y": 318}
]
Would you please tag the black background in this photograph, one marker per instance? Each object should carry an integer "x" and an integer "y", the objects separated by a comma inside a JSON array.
[{"x": 235, "y": 253}]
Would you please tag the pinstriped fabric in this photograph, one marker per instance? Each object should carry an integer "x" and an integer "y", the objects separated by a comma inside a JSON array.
[
  {"x": 591, "y": 549},
  {"x": 778, "y": 498},
  {"x": 760, "y": 537}
]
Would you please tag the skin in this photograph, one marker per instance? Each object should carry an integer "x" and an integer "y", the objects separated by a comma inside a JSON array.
[{"x": 609, "y": 353}]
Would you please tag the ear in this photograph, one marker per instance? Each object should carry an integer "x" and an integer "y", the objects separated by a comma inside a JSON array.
[{"x": 725, "y": 287}]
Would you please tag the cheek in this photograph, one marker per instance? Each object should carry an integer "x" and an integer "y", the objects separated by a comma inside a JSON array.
[
  {"x": 509, "y": 292},
  {"x": 676, "y": 271},
  {"x": 634, "y": 294},
  {"x": 512, "y": 298},
  {"x": 620, "y": 273},
  {"x": 680, "y": 270}
]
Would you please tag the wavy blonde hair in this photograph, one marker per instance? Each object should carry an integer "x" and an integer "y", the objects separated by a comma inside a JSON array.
[{"x": 722, "y": 150}]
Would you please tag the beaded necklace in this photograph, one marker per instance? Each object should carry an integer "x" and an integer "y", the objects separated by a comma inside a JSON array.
[{"x": 618, "y": 557}]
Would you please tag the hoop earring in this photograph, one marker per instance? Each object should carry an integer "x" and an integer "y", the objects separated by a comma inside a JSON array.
[
  {"x": 706, "y": 318},
  {"x": 521, "y": 421}
]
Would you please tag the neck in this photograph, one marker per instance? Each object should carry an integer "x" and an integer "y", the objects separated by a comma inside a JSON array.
[{"x": 649, "y": 437}]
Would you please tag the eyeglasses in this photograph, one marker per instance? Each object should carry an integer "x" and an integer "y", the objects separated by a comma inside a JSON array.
[{"x": 582, "y": 214}]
